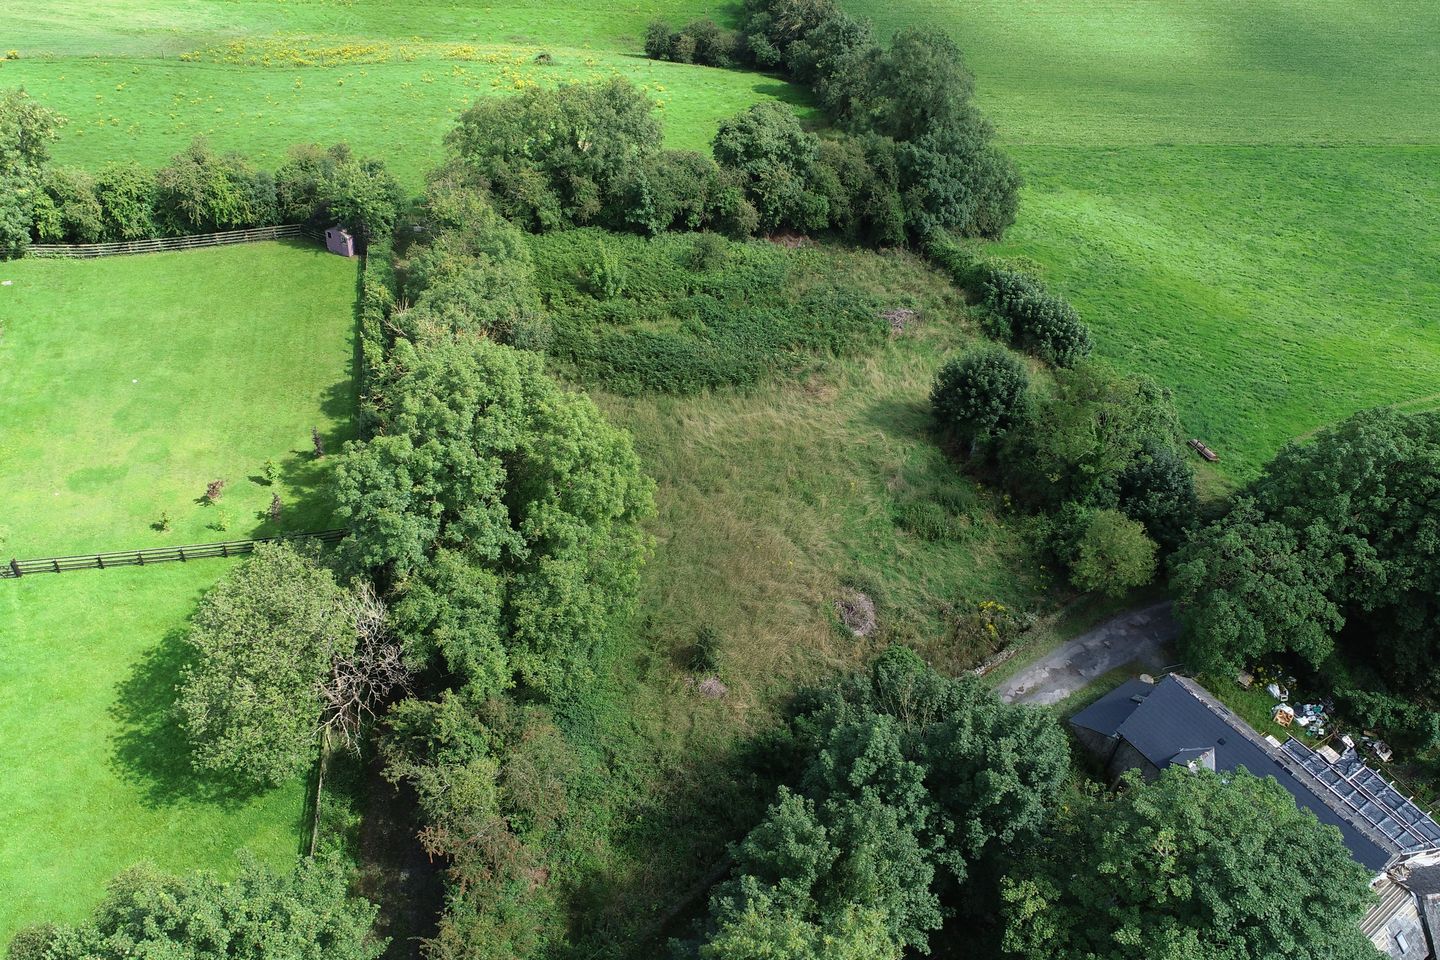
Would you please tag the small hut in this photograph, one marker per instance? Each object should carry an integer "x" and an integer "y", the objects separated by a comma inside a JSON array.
[{"x": 338, "y": 240}]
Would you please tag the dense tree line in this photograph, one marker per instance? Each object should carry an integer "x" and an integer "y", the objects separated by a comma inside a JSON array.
[
  {"x": 913, "y": 156},
  {"x": 1330, "y": 557},
  {"x": 198, "y": 191},
  {"x": 1097, "y": 454},
  {"x": 589, "y": 154},
  {"x": 502, "y": 515},
  {"x": 907, "y": 781}
]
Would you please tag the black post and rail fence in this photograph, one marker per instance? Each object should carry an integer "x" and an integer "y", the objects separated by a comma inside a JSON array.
[
  {"x": 85, "y": 251},
  {"x": 150, "y": 555}
]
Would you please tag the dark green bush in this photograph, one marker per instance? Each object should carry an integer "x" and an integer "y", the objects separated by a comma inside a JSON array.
[
  {"x": 1036, "y": 320},
  {"x": 981, "y": 395}
]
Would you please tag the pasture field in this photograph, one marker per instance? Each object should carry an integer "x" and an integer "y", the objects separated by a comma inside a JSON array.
[
  {"x": 1241, "y": 199},
  {"x": 129, "y": 383},
  {"x": 140, "y": 79},
  {"x": 95, "y": 775},
  {"x": 125, "y": 385}
]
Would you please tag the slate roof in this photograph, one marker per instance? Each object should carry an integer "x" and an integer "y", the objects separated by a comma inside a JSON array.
[
  {"x": 1106, "y": 714},
  {"x": 1178, "y": 716}
]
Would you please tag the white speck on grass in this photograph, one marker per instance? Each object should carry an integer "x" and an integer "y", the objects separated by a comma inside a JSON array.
[{"x": 134, "y": 381}]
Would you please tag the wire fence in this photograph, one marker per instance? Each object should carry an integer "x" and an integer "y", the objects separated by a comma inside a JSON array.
[
  {"x": 166, "y": 244},
  {"x": 139, "y": 558}
]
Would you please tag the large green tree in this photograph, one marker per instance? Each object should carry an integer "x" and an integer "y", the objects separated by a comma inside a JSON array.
[
  {"x": 551, "y": 158},
  {"x": 1191, "y": 865},
  {"x": 504, "y": 510},
  {"x": 306, "y": 914},
  {"x": 1338, "y": 540},
  {"x": 908, "y": 780},
  {"x": 262, "y": 639},
  {"x": 1086, "y": 434},
  {"x": 27, "y": 128}
]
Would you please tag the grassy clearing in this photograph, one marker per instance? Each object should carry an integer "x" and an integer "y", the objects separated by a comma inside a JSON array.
[
  {"x": 1228, "y": 192},
  {"x": 772, "y": 502},
  {"x": 129, "y": 383},
  {"x": 96, "y": 777},
  {"x": 263, "y": 75}
]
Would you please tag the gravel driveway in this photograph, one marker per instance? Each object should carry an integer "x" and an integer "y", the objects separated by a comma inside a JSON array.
[{"x": 1144, "y": 637}]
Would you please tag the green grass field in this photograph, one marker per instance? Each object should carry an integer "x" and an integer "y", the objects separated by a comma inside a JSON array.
[
  {"x": 125, "y": 385},
  {"x": 129, "y": 383},
  {"x": 1240, "y": 198},
  {"x": 96, "y": 776},
  {"x": 387, "y": 79}
]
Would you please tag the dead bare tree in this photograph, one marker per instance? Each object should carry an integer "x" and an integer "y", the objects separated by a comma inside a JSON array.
[{"x": 364, "y": 680}]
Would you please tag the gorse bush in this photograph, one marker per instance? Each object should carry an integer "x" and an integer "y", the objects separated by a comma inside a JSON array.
[
  {"x": 674, "y": 328},
  {"x": 981, "y": 395}
]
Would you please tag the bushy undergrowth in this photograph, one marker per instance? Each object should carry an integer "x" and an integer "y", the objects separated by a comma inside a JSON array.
[{"x": 673, "y": 326}]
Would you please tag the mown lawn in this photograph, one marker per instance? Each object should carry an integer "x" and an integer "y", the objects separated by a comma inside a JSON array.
[
  {"x": 96, "y": 774},
  {"x": 127, "y": 384},
  {"x": 389, "y": 79},
  {"x": 1240, "y": 198}
]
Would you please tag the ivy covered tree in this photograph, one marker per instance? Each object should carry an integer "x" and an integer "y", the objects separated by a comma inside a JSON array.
[
  {"x": 1191, "y": 865},
  {"x": 27, "y": 128},
  {"x": 306, "y": 914},
  {"x": 262, "y": 640}
]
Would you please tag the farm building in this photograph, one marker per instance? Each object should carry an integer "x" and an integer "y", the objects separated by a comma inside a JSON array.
[{"x": 1151, "y": 726}]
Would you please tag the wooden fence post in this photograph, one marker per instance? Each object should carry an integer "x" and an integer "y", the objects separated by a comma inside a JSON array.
[{"x": 15, "y": 566}]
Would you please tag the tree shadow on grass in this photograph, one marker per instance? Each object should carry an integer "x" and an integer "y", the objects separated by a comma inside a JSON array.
[
  {"x": 907, "y": 418},
  {"x": 151, "y": 750}
]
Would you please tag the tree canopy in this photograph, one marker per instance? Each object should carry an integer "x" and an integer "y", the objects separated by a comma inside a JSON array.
[
  {"x": 1191, "y": 865},
  {"x": 908, "y": 779},
  {"x": 504, "y": 509},
  {"x": 305, "y": 914},
  {"x": 262, "y": 639},
  {"x": 1336, "y": 541}
]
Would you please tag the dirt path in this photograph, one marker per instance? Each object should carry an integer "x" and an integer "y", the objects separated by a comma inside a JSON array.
[{"x": 1143, "y": 637}]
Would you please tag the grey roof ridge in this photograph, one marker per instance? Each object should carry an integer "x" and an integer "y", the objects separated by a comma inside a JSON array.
[{"x": 1318, "y": 789}]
